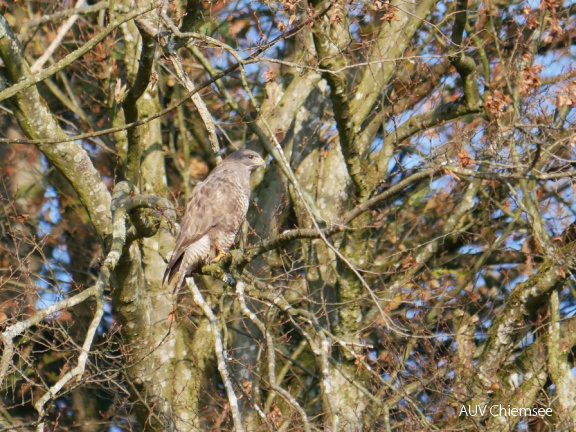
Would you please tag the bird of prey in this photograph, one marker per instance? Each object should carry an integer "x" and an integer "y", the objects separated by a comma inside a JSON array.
[{"x": 215, "y": 211}]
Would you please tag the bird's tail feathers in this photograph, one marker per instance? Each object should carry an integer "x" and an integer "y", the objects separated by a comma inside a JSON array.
[{"x": 172, "y": 270}]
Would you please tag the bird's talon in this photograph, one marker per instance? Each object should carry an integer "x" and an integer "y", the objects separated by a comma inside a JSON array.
[{"x": 219, "y": 256}]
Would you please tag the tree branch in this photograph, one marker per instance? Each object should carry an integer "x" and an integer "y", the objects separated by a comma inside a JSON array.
[
  {"x": 136, "y": 135},
  {"x": 464, "y": 64},
  {"x": 37, "y": 66},
  {"x": 70, "y": 58},
  {"x": 274, "y": 384},
  {"x": 330, "y": 37},
  {"x": 97, "y": 291},
  {"x": 37, "y": 122},
  {"x": 220, "y": 354},
  {"x": 436, "y": 117},
  {"x": 391, "y": 41}
]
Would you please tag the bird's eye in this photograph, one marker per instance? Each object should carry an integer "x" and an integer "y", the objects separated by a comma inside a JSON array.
[{"x": 251, "y": 156}]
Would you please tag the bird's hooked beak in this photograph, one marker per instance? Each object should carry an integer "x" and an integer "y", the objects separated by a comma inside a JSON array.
[{"x": 262, "y": 162}]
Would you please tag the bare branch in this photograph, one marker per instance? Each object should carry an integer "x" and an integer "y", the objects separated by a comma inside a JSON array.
[
  {"x": 37, "y": 66},
  {"x": 220, "y": 353},
  {"x": 37, "y": 122},
  {"x": 20, "y": 327},
  {"x": 274, "y": 384},
  {"x": 137, "y": 134},
  {"x": 70, "y": 58},
  {"x": 79, "y": 369}
]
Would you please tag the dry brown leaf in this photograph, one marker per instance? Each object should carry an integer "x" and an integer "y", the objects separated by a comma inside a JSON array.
[
  {"x": 21, "y": 218},
  {"x": 530, "y": 16},
  {"x": 275, "y": 415},
  {"x": 530, "y": 79},
  {"x": 549, "y": 5},
  {"x": 408, "y": 262},
  {"x": 247, "y": 386},
  {"x": 496, "y": 103},
  {"x": 554, "y": 29},
  {"x": 337, "y": 14},
  {"x": 390, "y": 14},
  {"x": 268, "y": 75},
  {"x": 464, "y": 159}
]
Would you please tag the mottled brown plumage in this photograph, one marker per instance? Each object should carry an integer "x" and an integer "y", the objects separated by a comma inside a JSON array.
[{"x": 214, "y": 214}]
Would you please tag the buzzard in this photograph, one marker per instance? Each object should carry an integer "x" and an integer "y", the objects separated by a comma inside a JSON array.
[{"x": 214, "y": 214}]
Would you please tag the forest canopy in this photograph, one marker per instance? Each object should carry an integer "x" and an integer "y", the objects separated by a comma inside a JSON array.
[{"x": 408, "y": 251}]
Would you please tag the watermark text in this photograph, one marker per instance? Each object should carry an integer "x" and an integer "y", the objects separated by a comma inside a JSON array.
[{"x": 503, "y": 411}]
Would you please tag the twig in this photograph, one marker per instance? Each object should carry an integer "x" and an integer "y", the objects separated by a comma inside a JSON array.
[
  {"x": 205, "y": 115},
  {"x": 240, "y": 288},
  {"x": 70, "y": 58},
  {"x": 37, "y": 66},
  {"x": 60, "y": 65},
  {"x": 77, "y": 371},
  {"x": 220, "y": 354},
  {"x": 170, "y": 53},
  {"x": 317, "y": 340},
  {"x": 67, "y": 12},
  {"x": 278, "y": 153},
  {"x": 17, "y": 329},
  {"x": 119, "y": 203}
]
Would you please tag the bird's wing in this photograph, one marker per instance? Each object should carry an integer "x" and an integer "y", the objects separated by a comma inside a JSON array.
[
  {"x": 198, "y": 218},
  {"x": 228, "y": 217}
]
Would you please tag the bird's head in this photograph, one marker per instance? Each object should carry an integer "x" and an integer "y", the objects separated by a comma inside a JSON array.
[{"x": 248, "y": 158}]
